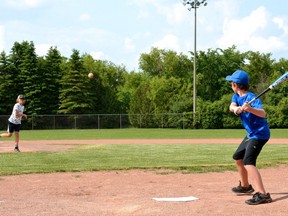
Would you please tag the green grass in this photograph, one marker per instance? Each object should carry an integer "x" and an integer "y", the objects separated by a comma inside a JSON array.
[
  {"x": 187, "y": 158},
  {"x": 184, "y": 158},
  {"x": 140, "y": 134}
]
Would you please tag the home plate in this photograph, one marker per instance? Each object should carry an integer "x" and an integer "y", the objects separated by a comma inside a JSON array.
[{"x": 176, "y": 199}]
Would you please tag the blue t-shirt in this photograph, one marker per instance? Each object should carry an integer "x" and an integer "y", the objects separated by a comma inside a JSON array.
[{"x": 256, "y": 126}]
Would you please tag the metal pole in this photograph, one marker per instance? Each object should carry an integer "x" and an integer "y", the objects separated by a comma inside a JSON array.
[
  {"x": 194, "y": 74},
  {"x": 194, "y": 4}
]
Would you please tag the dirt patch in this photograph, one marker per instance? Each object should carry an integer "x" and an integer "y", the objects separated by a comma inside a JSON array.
[
  {"x": 125, "y": 193},
  {"x": 131, "y": 192}
]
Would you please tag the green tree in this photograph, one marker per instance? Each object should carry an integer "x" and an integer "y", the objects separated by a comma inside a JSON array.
[
  {"x": 74, "y": 95},
  {"x": 166, "y": 63},
  {"x": 260, "y": 68},
  {"x": 127, "y": 90},
  {"x": 212, "y": 68},
  {"x": 8, "y": 84},
  {"x": 141, "y": 103},
  {"x": 112, "y": 78},
  {"x": 51, "y": 71},
  {"x": 29, "y": 77}
]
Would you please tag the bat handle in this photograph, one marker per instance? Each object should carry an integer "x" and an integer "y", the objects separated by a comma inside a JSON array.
[
  {"x": 251, "y": 101},
  {"x": 263, "y": 92}
]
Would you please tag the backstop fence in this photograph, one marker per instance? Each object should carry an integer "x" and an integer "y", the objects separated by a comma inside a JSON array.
[{"x": 103, "y": 121}]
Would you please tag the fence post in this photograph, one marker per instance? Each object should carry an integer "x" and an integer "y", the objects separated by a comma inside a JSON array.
[
  {"x": 120, "y": 121},
  {"x": 32, "y": 121}
]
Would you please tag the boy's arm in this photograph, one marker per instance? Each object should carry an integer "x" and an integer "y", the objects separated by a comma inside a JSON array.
[
  {"x": 256, "y": 111},
  {"x": 18, "y": 114},
  {"x": 235, "y": 109}
]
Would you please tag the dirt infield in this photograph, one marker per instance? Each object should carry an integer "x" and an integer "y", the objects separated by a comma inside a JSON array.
[{"x": 130, "y": 193}]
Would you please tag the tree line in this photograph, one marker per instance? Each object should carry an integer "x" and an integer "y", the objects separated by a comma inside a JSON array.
[{"x": 54, "y": 84}]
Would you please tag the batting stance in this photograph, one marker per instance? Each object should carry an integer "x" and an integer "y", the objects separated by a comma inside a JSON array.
[
  {"x": 14, "y": 122},
  {"x": 254, "y": 121}
]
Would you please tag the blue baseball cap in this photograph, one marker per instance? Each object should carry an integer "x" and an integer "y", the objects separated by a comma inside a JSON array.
[{"x": 239, "y": 76}]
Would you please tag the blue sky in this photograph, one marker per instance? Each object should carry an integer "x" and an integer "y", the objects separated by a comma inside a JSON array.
[{"x": 121, "y": 30}]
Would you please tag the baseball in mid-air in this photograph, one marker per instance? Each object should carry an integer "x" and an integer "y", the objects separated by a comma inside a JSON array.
[{"x": 90, "y": 75}]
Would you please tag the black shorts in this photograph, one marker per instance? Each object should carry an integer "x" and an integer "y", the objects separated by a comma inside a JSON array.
[
  {"x": 249, "y": 150},
  {"x": 13, "y": 127}
]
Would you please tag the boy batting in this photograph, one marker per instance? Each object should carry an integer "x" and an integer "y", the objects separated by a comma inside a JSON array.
[{"x": 258, "y": 133}]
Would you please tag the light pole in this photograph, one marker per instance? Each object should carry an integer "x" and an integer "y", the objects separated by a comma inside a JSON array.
[{"x": 194, "y": 4}]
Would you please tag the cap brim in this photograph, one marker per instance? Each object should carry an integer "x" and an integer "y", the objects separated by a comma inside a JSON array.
[{"x": 229, "y": 78}]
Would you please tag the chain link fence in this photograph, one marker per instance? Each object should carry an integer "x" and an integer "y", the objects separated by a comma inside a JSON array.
[{"x": 103, "y": 121}]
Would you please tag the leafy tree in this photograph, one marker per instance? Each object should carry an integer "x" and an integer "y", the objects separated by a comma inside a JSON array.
[
  {"x": 280, "y": 92},
  {"x": 94, "y": 86},
  {"x": 141, "y": 103},
  {"x": 112, "y": 78},
  {"x": 277, "y": 115},
  {"x": 8, "y": 84},
  {"x": 29, "y": 78},
  {"x": 74, "y": 94},
  {"x": 260, "y": 67},
  {"x": 127, "y": 90},
  {"x": 51, "y": 71},
  {"x": 165, "y": 63},
  {"x": 212, "y": 68}
]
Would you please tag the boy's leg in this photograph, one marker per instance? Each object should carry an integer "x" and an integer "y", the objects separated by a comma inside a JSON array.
[
  {"x": 6, "y": 134},
  {"x": 254, "y": 148},
  {"x": 255, "y": 178},
  {"x": 244, "y": 186},
  {"x": 242, "y": 172},
  {"x": 16, "y": 139},
  {"x": 17, "y": 134},
  {"x": 10, "y": 130}
]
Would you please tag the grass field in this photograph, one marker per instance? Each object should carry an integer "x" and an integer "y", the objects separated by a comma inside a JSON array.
[
  {"x": 185, "y": 158},
  {"x": 140, "y": 134}
]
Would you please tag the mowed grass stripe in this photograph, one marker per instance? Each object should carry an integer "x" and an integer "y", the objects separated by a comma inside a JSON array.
[{"x": 180, "y": 157}]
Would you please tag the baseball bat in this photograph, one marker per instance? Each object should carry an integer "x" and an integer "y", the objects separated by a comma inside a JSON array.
[{"x": 280, "y": 80}]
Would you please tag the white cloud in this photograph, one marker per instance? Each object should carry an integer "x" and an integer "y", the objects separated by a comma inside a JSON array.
[
  {"x": 2, "y": 31},
  {"x": 142, "y": 14},
  {"x": 42, "y": 49},
  {"x": 85, "y": 17},
  {"x": 32, "y": 3},
  {"x": 99, "y": 55},
  {"x": 280, "y": 22},
  {"x": 240, "y": 32},
  {"x": 255, "y": 32},
  {"x": 168, "y": 42},
  {"x": 266, "y": 45},
  {"x": 22, "y": 4},
  {"x": 225, "y": 8},
  {"x": 174, "y": 14},
  {"x": 129, "y": 45}
]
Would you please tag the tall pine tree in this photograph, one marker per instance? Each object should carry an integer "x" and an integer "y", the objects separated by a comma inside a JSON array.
[{"x": 74, "y": 95}]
